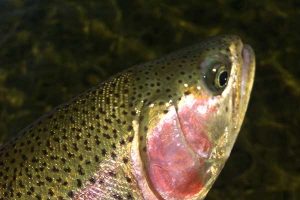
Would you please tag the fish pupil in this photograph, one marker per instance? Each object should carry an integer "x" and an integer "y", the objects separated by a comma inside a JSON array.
[{"x": 223, "y": 78}]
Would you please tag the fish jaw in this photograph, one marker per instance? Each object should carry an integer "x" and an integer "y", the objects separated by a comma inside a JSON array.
[{"x": 247, "y": 72}]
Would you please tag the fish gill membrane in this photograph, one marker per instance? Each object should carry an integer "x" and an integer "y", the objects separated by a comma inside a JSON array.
[{"x": 159, "y": 130}]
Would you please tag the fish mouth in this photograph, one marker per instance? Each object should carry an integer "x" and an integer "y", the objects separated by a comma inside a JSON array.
[
  {"x": 248, "y": 69},
  {"x": 247, "y": 72}
]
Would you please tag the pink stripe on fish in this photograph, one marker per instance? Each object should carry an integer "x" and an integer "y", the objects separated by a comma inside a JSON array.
[{"x": 177, "y": 148}]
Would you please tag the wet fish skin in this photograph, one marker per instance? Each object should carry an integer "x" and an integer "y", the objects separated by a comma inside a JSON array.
[{"x": 98, "y": 146}]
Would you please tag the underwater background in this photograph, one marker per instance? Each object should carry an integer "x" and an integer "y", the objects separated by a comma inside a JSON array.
[{"x": 51, "y": 51}]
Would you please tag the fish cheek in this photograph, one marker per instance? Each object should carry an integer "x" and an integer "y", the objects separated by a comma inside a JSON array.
[{"x": 172, "y": 168}]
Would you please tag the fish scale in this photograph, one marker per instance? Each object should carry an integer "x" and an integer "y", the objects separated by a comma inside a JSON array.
[
  {"x": 97, "y": 146},
  {"x": 73, "y": 139}
]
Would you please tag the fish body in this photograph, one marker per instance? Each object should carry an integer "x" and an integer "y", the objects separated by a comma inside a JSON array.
[{"x": 160, "y": 130}]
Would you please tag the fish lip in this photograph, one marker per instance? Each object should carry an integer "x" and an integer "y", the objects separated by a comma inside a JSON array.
[
  {"x": 242, "y": 95},
  {"x": 248, "y": 68}
]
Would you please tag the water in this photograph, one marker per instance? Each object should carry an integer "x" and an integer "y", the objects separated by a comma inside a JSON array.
[{"x": 51, "y": 51}]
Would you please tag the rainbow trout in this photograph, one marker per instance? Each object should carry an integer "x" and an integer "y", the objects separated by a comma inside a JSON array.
[{"x": 160, "y": 130}]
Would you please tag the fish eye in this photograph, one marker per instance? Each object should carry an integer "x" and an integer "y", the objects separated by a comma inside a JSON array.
[
  {"x": 216, "y": 77},
  {"x": 221, "y": 77}
]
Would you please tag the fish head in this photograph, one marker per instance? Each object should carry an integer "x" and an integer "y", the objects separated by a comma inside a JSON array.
[
  {"x": 211, "y": 109},
  {"x": 187, "y": 147}
]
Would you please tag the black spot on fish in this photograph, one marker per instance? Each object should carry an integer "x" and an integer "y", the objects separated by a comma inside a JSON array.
[
  {"x": 55, "y": 169},
  {"x": 38, "y": 197},
  {"x": 50, "y": 192},
  {"x": 101, "y": 181},
  {"x": 187, "y": 92},
  {"x": 71, "y": 194},
  {"x": 113, "y": 155},
  {"x": 129, "y": 128},
  {"x": 125, "y": 160},
  {"x": 97, "y": 158},
  {"x": 87, "y": 162},
  {"x": 49, "y": 179},
  {"x": 106, "y": 136},
  {"x": 112, "y": 174},
  {"x": 81, "y": 170},
  {"x": 92, "y": 180},
  {"x": 103, "y": 152},
  {"x": 122, "y": 142},
  {"x": 129, "y": 196},
  {"x": 67, "y": 169},
  {"x": 40, "y": 183},
  {"x": 19, "y": 194},
  {"x": 130, "y": 138},
  {"x": 128, "y": 179},
  {"x": 117, "y": 197},
  {"x": 61, "y": 198},
  {"x": 79, "y": 183}
]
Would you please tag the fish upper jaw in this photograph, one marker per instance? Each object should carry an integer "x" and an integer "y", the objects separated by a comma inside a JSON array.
[
  {"x": 247, "y": 73},
  {"x": 241, "y": 95}
]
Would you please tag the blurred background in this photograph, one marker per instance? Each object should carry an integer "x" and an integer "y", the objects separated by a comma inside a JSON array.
[{"x": 53, "y": 50}]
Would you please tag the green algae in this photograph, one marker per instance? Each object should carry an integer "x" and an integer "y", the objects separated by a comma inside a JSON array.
[{"x": 53, "y": 50}]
